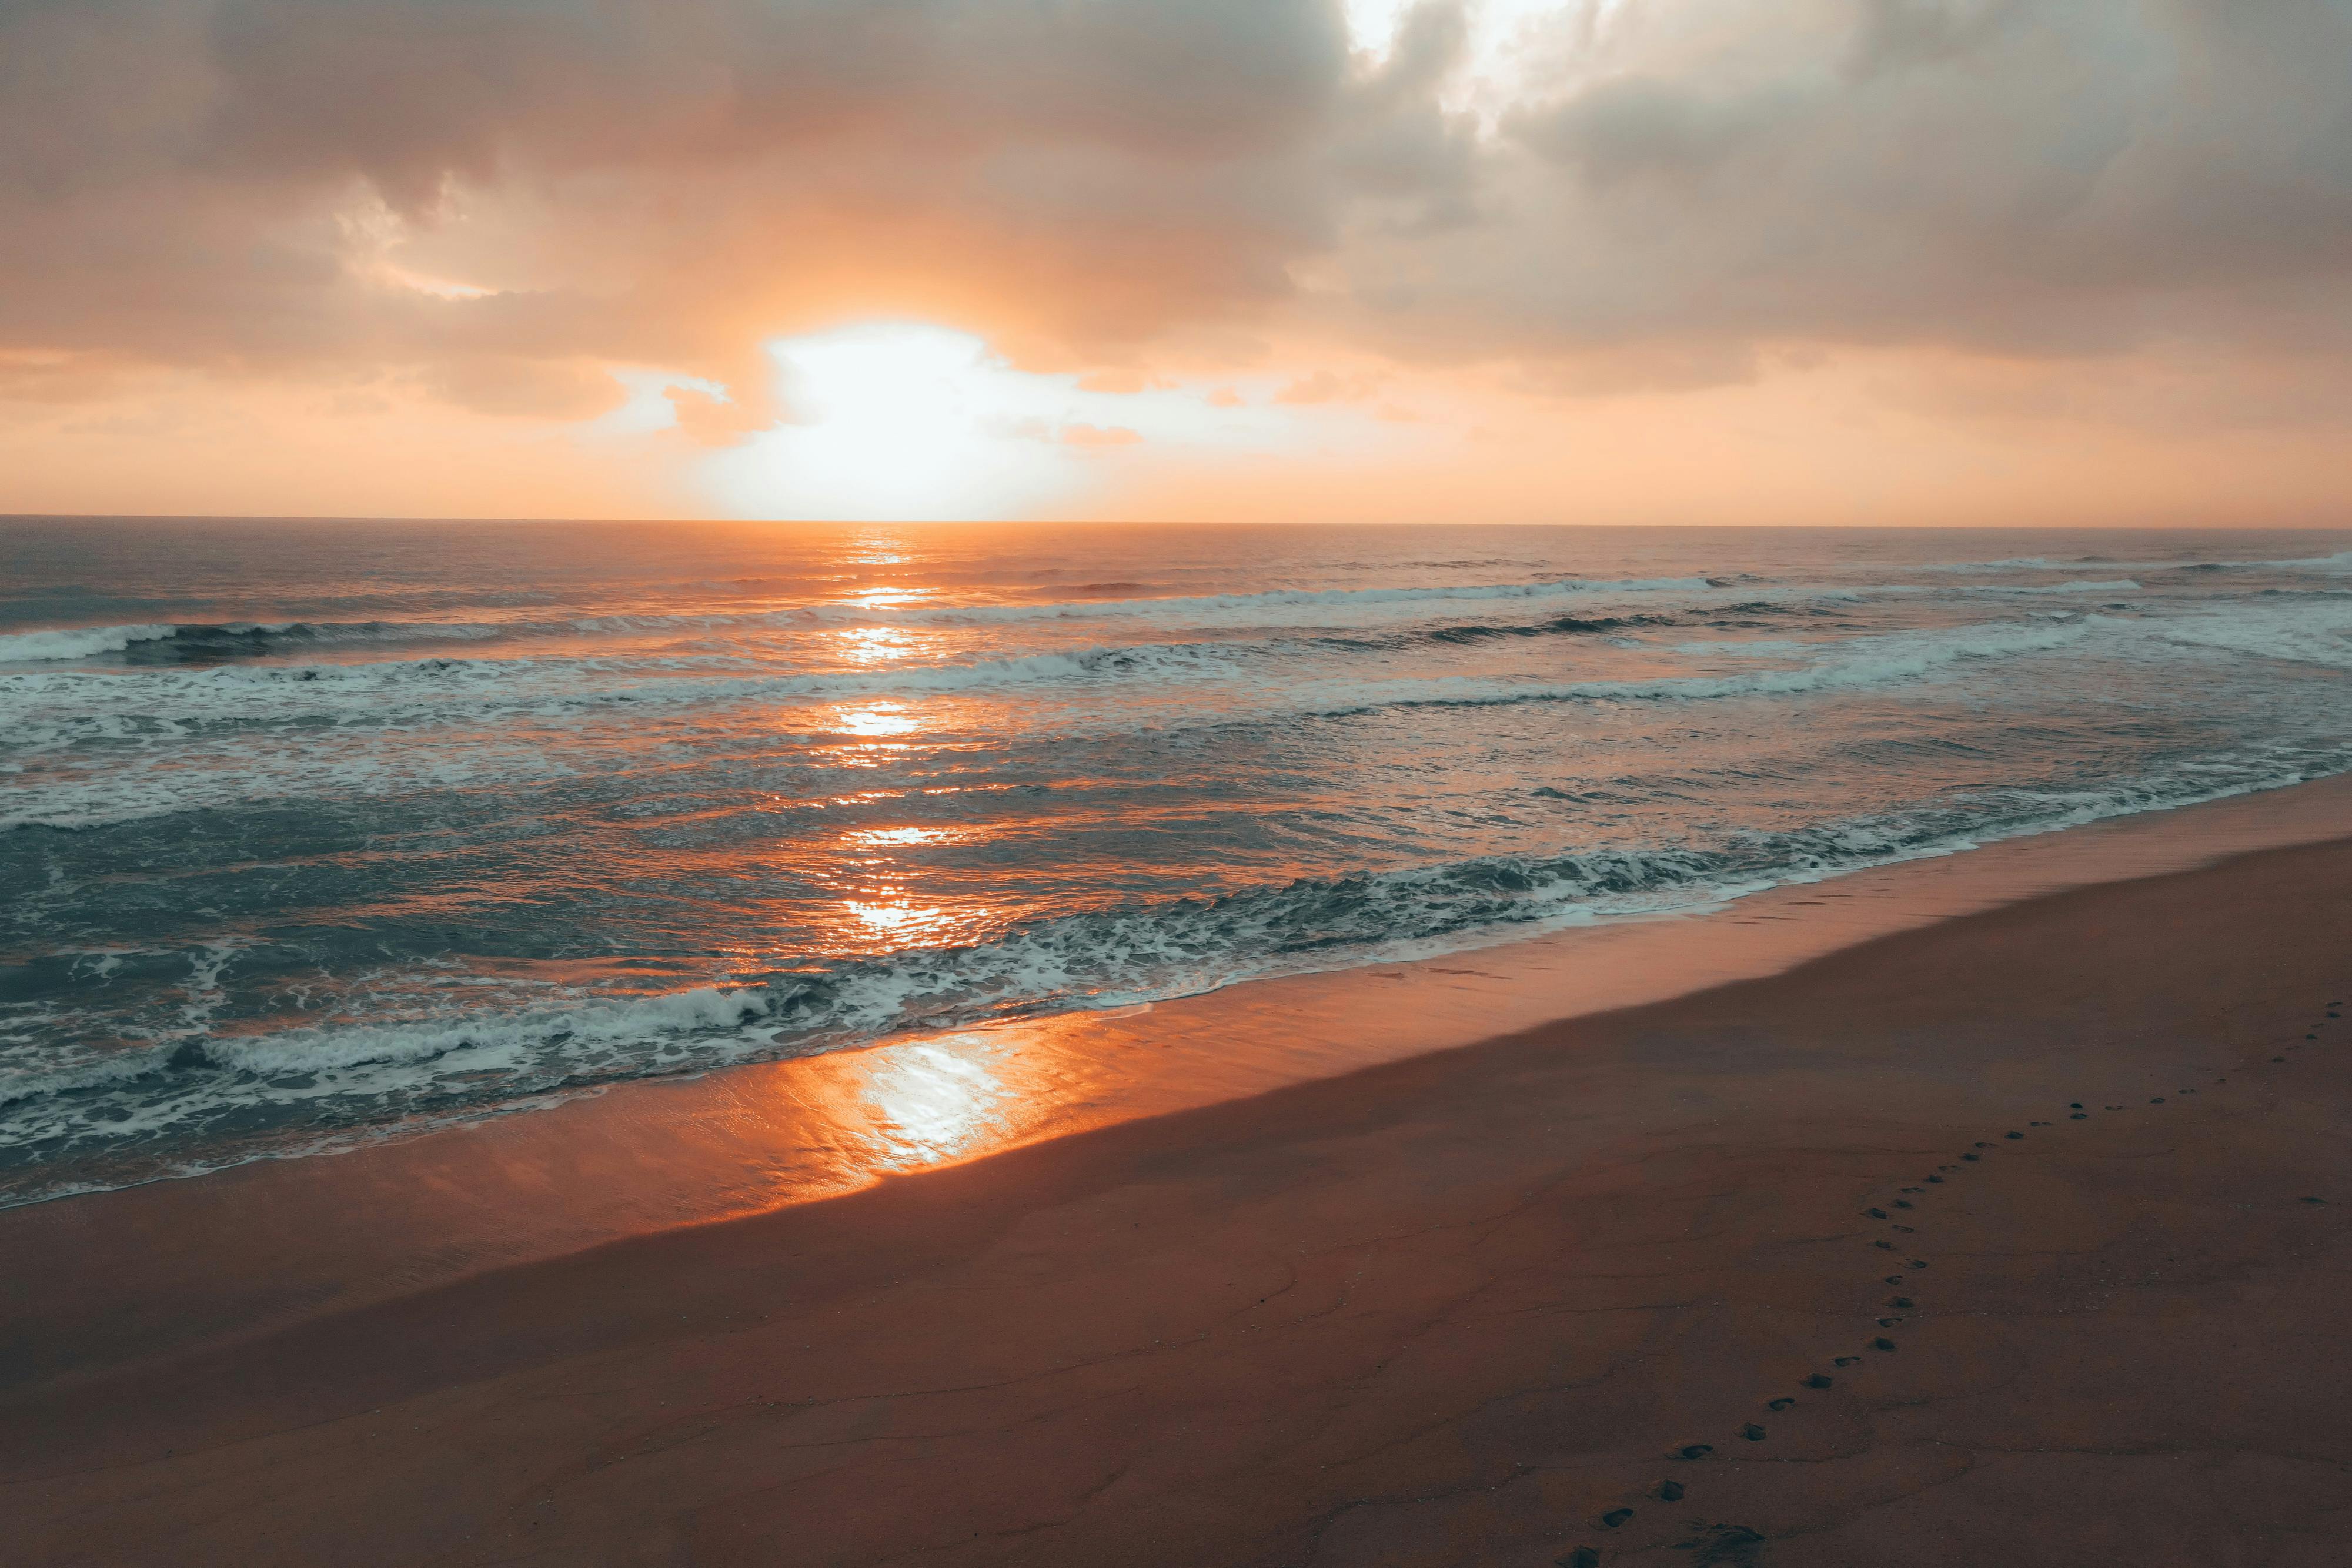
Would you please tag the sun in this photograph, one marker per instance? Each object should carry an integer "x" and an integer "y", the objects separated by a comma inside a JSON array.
[{"x": 901, "y": 422}]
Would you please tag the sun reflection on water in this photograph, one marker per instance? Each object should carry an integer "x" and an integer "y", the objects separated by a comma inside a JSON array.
[
  {"x": 913, "y": 923},
  {"x": 875, "y": 644},
  {"x": 870, "y": 720},
  {"x": 935, "y": 1100},
  {"x": 876, "y": 838},
  {"x": 888, "y": 598}
]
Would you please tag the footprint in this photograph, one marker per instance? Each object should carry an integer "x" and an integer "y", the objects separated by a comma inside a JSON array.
[
  {"x": 1894, "y": 1278},
  {"x": 1899, "y": 1203},
  {"x": 1582, "y": 1557},
  {"x": 1882, "y": 1343},
  {"x": 2158, "y": 1100},
  {"x": 1724, "y": 1546},
  {"x": 1905, "y": 1303},
  {"x": 1670, "y": 1491},
  {"x": 2012, "y": 1135},
  {"x": 1616, "y": 1515},
  {"x": 1875, "y": 1212},
  {"x": 1883, "y": 1245},
  {"x": 1818, "y": 1381},
  {"x": 1847, "y": 1361},
  {"x": 1908, "y": 1230},
  {"x": 2074, "y": 1104},
  {"x": 2037, "y": 1123},
  {"x": 1888, "y": 1322},
  {"x": 1981, "y": 1145},
  {"x": 2080, "y": 1116},
  {"x": 1938, "y": 1180},
  {"x": 2316, "y": 1202},
  {"x": 1696, "y": 1450},
  {"x": 1752, "y": 1432},
  {"x": 1971, "y": 1156},
  {"x": 1779, "y": 1403},
  {"x": 1915, "y": 1263}
]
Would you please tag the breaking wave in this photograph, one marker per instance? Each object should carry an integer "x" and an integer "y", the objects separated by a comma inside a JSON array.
[{"x": 341, "y": 1076}]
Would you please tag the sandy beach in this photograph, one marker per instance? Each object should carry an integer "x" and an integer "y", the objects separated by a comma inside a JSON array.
[
  {"x": 1150, "y": 784},
  {"x": 2016, "y": 1236}
]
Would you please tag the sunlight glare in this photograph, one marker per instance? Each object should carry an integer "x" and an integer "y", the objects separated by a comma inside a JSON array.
[
  {"x": 934, "y": 1102},
  {"x": 875, "y": 644},
  {"x": 898, "y": 422},
  {"x": 877, "y": 720},
  {"x": 878, "y": 837}
]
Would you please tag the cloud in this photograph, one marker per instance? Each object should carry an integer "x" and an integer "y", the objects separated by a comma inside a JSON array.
[
  {"x": 1097, "y": 437},
  {"x": 1122, "y": 381},
  {"x": 498, "y": 206},
  {"x": 287, "y": 187},
  {"x": 1329, "y": 386},
  {"x": 2038, "y": 177}
]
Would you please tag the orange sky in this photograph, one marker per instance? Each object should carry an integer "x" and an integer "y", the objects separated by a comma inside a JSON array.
[{"x": 1866, "y": 261}]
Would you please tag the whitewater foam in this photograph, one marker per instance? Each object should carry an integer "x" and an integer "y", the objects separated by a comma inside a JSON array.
[
  {"x": 473, "y": 1065},
  {"x": 74, "y": 643},
  {"x": 402, "y": 849}
]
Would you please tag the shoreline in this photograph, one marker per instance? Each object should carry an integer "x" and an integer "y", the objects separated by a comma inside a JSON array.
[
  {"x": 331, "y": 1232},
  {"x": 1454, "y": 1306},
  {"x": 1431, "y": 955}
]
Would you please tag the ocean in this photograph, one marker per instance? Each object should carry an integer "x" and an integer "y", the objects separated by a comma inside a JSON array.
[{"x": 312, "y": 833}]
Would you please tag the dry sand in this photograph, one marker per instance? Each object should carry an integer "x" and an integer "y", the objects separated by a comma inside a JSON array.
[{"x": 1463, "y": 1308}]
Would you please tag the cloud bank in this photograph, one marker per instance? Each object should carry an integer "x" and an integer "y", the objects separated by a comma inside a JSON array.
[{"x": 496, "y": 208}]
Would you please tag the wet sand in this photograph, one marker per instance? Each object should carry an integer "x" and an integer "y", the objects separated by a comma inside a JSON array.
[{"x": 1763, "y": 1265}]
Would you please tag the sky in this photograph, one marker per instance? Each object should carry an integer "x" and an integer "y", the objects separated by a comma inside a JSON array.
[{"x": 1976, "y": 262}]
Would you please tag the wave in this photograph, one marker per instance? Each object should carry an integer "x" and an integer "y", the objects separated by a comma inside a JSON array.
[
  {"x": 1558, "y": 626},
  {"x": 2108, "y": 585},
  {"x": 318, "y": 1083},
  {"x": 91, "y": 748},
  {"x": 214, "y": 762},
  {"x": 75, "y": 642},
  {"x": 2306, "y": 633},
  {"x": 201, "y": 642},
  {"x": 45, "y": 712},
  {"x": 1272, "y": 599},
  {"x": 1470, "y": 633},
  {"x": 214, "y": 643},
  {"x": 2022, "y": 563},
  {"x": 2339, "y": 562},
  {"x": 229, "y": 711},
  {"x": 1870, "y": 662}
]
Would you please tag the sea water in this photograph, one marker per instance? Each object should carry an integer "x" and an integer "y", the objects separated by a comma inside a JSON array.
[{"x": 312, "y": 832}]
